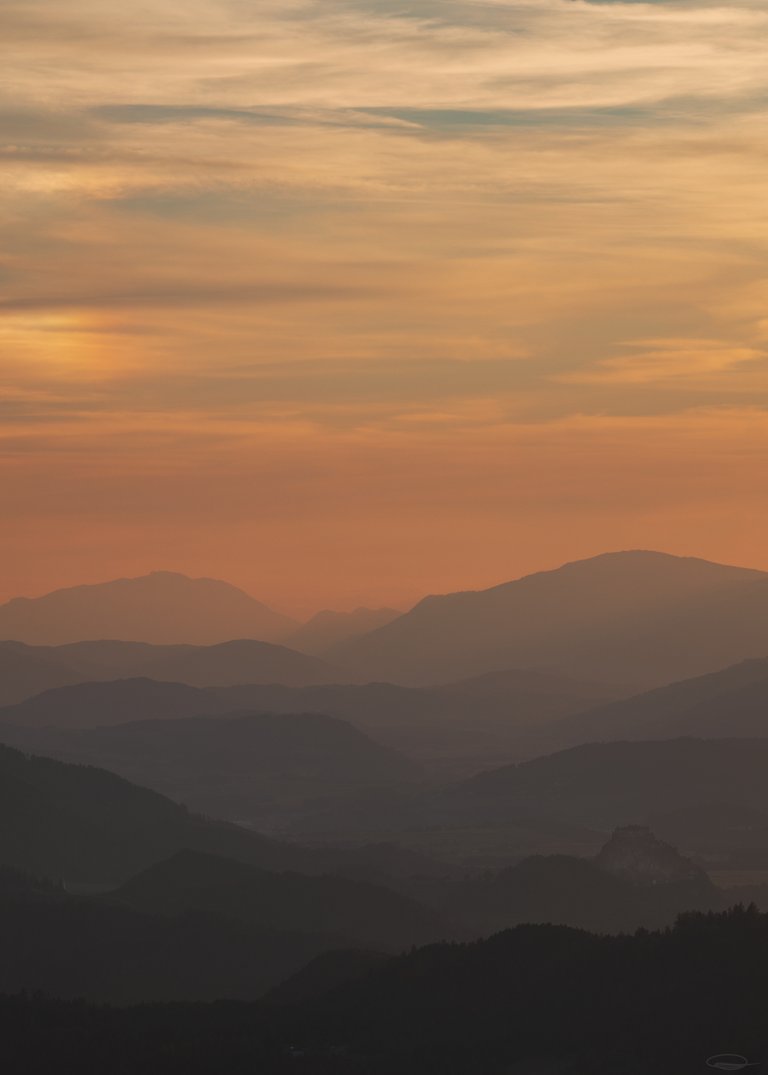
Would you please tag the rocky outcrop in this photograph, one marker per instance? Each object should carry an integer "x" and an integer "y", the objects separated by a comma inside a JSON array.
[{"x": 634, "y": 854}]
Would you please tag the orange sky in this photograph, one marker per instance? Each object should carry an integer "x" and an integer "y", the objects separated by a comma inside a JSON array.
[{"x": 348, "y": 306}]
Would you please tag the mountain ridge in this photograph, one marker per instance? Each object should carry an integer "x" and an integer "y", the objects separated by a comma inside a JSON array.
[
  {"x": 614, "y": 617},
  {"x": 160, "y": 607}
]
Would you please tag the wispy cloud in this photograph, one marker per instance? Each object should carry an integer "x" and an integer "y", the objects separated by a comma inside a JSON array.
[{"x": 443, "y": 248}]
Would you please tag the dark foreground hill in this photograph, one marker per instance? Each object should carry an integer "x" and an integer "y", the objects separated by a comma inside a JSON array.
[
  {"x": 633, "y": 617},
  {"x": 103, "y": 952},
  {"x": 163, "y": 607},
  {"x": 195, "y": 927},
  {"x": 540, "y": 1000}
]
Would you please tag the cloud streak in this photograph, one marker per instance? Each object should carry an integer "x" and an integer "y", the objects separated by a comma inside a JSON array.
[{"x": 482, "y": 257}]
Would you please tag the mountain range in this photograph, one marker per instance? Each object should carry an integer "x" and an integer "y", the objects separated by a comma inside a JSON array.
[
  {"x": 637, "y": 618},
  {"x": 730, "y": 703},
  {"x": 453, "y": 730},
  {"x": 30, "y": 670},
  {"x": 163, "y": 607},
  {"x": 252, "y": 768}
]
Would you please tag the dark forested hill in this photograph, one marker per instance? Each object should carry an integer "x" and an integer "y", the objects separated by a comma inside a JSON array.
[
  {"x": 539, "y": 1000},
  {"x": 103, "y": 952}
]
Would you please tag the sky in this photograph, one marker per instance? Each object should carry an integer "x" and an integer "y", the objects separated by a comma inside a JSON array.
[{"x": 348, "y": 301}]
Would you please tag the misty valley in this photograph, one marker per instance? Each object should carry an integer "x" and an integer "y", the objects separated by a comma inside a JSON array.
[{"x": 517, "y": 830}]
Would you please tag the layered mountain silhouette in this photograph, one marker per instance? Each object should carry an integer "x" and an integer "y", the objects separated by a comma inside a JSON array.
[
  {"x": 326, "y": 972},
  {"x": 30, "y": 670},
  {"x": 87, "y": 825},
  {"x": 455, "y": 730},
  {"x": 607, "y": 784},
  {"x": 163, "y": 607},
  {"x": 332, "y": 906},
  {"x": 638, "y": 618},
  {"x": 732, "y": 703},
  {"x": 569, "y": 800},
  {"x": 77, "y": 948},
  {"x": 327, "y": 629},
  {"x": 249, "y": 768},
  {"x": 101, "y": 704},
  {"x": 25, "y": 672},
  {"x": 635, "y": 881}
]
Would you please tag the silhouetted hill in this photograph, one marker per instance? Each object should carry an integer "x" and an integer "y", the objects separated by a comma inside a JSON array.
[
  {"x": 732, "y": 703},
  {"x": 325, "y": 972},
  {"x": 561, "y": 999},
  {"x": 29, "y": 670},
  {"x": 248, "y": 768},
  {"x": 564, "y": 890},
  {"x": 521, "y": 685},
  {"x": 332, "y": 906},
  {"x": 328, "y": 629},
  {"x": 609, "y": 784},
  {"x": 105, "y": 952},
  {"x": 163, "y": 607},
  {"x": 534, "y": 1000},
  {"x": 636, "y": 880},
  {"x": 457, "y": 729},
  {"x": 239, "y": 661},
  {"x": 88, "y": 825},
  {"x": 631, "y": 617},
  {"x": 563, "y": 802}
]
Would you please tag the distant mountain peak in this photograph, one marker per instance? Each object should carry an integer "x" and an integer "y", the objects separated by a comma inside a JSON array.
[
  {"x": 627, "y": 616},
  {"x": 160, "y": 607}
]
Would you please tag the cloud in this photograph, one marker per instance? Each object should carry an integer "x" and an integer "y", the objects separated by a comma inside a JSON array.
[
  {"x": 659, "y": 361},
  {"x": 420, "y": 262}
]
